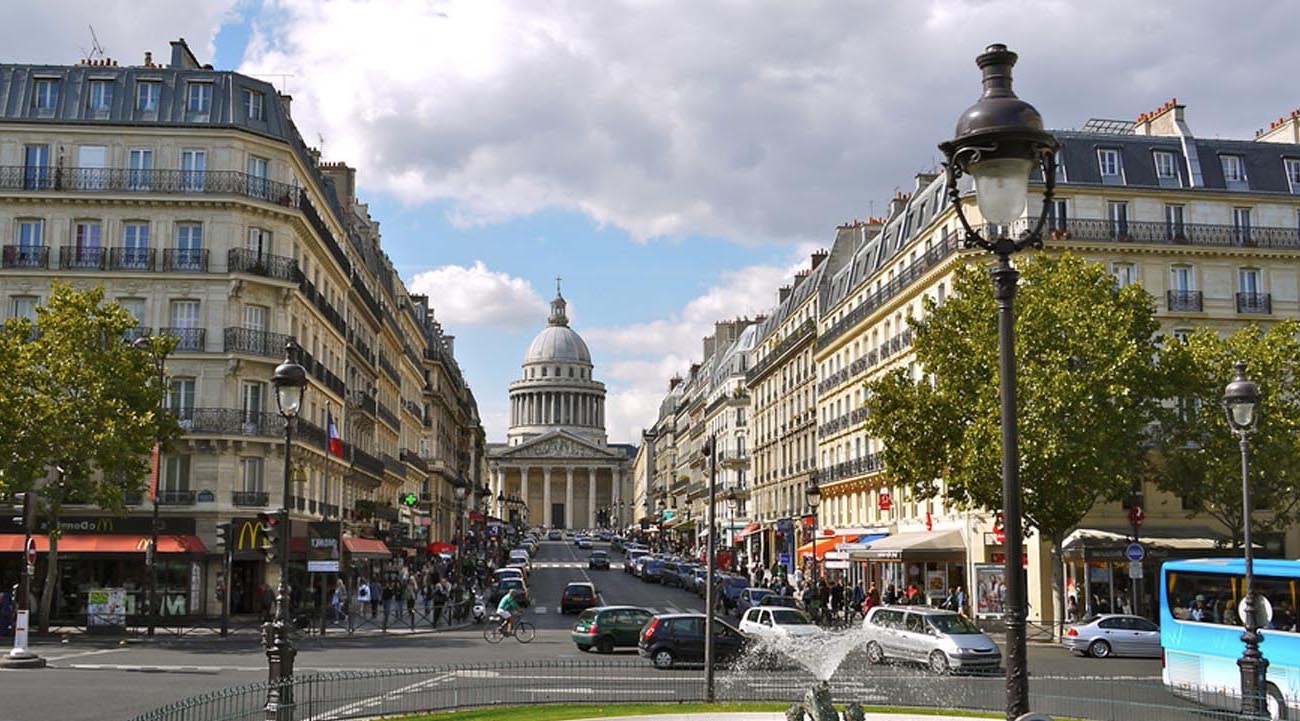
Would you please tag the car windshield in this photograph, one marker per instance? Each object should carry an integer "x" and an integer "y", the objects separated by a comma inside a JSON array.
[
  {"x": 512, "y": 583},
  {"x": 578, "y": 591},
  {"x": 790, "y": 617},
  {"x": 950, "y": 624}
]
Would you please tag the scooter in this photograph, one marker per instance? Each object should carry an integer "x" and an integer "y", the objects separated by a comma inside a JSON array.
[{"x": 480, "y": 609}]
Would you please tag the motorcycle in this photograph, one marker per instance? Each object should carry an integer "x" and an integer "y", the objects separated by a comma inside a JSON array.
[{"x": 480, "y": 609}]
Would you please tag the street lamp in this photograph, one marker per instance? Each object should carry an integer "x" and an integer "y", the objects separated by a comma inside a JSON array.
[
  {"x": 710, "y": 564},
  {"x": 290, "y": 381},
  {"x": 461, "y": 489},
  {"x": 147, "y": 345},
  {"x": 733, "y": 502},
  {"x": 999, "y": 140},
  {"x": 1241, "y": 403},
  {"x": 814, "y": 495}
]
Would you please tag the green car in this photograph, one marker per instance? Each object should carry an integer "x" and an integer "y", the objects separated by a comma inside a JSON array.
[{"x": 610, "y": 627}]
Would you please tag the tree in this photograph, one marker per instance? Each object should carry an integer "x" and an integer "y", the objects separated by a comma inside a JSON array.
[
  {"x": 1201, "y": 453},
  {"x": 92, "y": 412},
  {"x": 1088, "y": 384}
]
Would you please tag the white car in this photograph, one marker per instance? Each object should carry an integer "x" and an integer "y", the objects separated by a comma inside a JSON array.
[
  {"x": 777, "y": 622},
  {"x": 521, "y": 557}
]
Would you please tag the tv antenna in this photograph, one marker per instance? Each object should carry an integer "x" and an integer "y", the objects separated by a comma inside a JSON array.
[{"x": 96, "y": 50}]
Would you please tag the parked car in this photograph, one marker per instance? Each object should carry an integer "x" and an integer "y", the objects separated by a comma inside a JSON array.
[
  {"x": 775, "y": 600},
  {"x": 519, "y": 555},
  {"x": 675, "y": 638},
  {"x": 577, "y": 596},
  {"x": 608, "y": 627},
  {"x": 508, "y": 572},
  {"x": 638, "y": 565},
  {"x": 731, "y": 587},
  {"x": 651, "y": 567},
  {"x": 629, "y": 560},
  {"x": 698, "y": 574},
  {"x": 554, "y": 535},
  {"x": 598, "y": 560},
  {"x": 1113, "y": 634},
  {"x": 943, "y": 640},
  {"x": 583, "y": 541},
  {"x": 750, "y": 597},
  {"x": 504, "y": 586},
  {"x": 604, "y": 536},
  {"x": 670, "y": 573},
  {"x": 761, "y": 622}
]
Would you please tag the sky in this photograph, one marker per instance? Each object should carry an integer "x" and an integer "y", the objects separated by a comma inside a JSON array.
[{"x": 674, "y": 161}]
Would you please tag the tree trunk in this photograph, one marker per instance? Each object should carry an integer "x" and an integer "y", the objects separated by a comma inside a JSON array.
[
  {"x": 51, "y": 574},
  {"x": 1058, "y": 586}
]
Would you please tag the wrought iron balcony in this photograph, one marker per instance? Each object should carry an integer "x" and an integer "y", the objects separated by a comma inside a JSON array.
[
  {"x": 185, "y": 260},
  {"x": 127, "y": 180},
  {"x": 367, "y": 463},
  {"x": 392, "y": 465},
  {"x": 187, "y": 339},
  {"x": 131, "y": 258},
  {"x": 242, "y": 260},
  {"x": 1188, "y": 301},
  {"x": 1261, "y": 303},
  {"x": 72, "y": 257},
  {"x": 387, "y": 367},
  {"x": 231, "y": 422},
  {"x": 251, "y": 499},
  {"x": 797, "y": 336},
  {"x": 176, "y": 498},
  {"x": 255, "y": 342},
  {"x": 26, "y": 256},
  {"x": 321, "y": 373},
  {"x": 388, "y": 416},
  {"x": 322, "y": 304}
]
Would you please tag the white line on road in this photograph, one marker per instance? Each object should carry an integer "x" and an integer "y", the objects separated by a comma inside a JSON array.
[
  {"x": 85, "y": 653},
  {"x": 351, "y": 708}
]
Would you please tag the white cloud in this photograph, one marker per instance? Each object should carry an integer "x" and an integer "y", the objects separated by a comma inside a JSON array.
[
  {"x": 475, "y": 295},
  {"x": 753, "y": 121}
]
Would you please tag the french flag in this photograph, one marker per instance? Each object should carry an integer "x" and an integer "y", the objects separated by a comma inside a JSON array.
[{"x": 336, "y": 442}]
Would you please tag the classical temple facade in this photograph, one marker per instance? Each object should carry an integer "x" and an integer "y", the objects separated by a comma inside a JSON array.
[{"x": 556, "y": 456}]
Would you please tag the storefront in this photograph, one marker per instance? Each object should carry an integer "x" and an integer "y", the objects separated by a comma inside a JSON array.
[
  {"x": 832, "y": 552},
  {"x": 933, "y": 561}
]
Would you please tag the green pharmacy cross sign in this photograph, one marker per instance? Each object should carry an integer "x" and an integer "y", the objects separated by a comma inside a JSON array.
[{"x": 410, "y": 499}]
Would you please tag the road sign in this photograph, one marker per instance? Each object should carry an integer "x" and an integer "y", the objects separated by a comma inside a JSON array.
[
  {"x": 31, "y": 552},
  {"x": 1135, "y": 569},
  {"x": 1135, "y": 552},
  {"x": 322, "y": 567},
  {"x": 784, "y": 559},
  {"x": 1136, "y": 516}
]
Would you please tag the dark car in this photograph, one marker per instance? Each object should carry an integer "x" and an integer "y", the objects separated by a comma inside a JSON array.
[
  {"x": 731, "y": 586},
  {"x": 671, "y": 639},
  {"x": 577, "y": 596},
  {"x": 670, "y": 573},
  {"x": 651, "y": 569},
  {"x": 598, "y": 560},
  {"x": 504, "y": 586},
  {"x": 608, "y": 627},
  {"x": 750, "y": 597},
  {"x": 775, "y": 600},
  {"x": 554, "y": 535}
]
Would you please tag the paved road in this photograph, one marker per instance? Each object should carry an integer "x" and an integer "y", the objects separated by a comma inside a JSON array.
[{"x": 98, "y": 681}]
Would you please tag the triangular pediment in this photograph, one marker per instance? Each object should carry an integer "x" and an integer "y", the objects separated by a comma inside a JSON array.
[{"x": 558, "y": 444}]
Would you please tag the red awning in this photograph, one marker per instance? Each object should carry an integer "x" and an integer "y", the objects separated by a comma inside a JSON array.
[
  {"x": 826, "y": 543},
  {"x": 105, "y": 543},
  {"x": 441, "y": 547},
  {"x": 366, "y": 548},
  {"x": 748, "y": 531}
]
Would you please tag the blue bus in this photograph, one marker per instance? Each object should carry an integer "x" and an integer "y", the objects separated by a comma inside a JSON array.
[{"x": 1200, "y": 629}]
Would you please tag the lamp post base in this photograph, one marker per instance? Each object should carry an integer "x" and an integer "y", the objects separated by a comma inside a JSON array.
[
  {"x": 279, "y": 660},
  {"x": 21, "y": 659},
  {"x": 1254, "y": 686}
]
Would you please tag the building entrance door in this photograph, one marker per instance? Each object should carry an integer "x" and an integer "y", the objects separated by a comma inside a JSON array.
[
  {"x": 246, "y": 582},
  {"x": 557, "y": 515}
]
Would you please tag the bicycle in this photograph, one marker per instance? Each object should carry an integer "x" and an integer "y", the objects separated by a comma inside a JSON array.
[{"x": 523, "y": 633}]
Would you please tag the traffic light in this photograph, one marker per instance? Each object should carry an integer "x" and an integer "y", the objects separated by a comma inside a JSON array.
[
  {"x": 22, "y": 509},
  {"x": 223, "y": 537},
  {"x": 410, "y": 499},
  {"x": 272, "y": 530}
]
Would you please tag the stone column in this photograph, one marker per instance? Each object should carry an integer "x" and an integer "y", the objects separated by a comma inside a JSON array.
[
  {"x": 568, "y": 497},
  {"x": 591, "y": 497},
  {"x": 523, "y": 485},
  {"x": 546, "y": 496}
]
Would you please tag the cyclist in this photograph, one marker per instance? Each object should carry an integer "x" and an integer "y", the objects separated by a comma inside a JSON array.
[{"x": 507, "y": 610}]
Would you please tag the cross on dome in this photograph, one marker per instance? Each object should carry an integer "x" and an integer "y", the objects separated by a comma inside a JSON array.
[{"x": 558, "y": 307}]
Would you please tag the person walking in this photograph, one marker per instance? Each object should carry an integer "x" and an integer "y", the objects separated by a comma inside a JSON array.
[
  {"x": 340, "y": 601},
  {"x": 363, "y": 596},
  {"x": 441, "y": 592}
]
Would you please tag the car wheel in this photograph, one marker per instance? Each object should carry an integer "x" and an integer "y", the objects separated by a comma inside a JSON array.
[
  {"x": 875, "y": 654},
  {"x": 1099, "y": 649},
  {"x": 584, "y": 647},
  {"x": 663, "y": 658},
  {"x": 1275, "y": 704},
  {"x": 938, "y": 662},
  {"x": 605, "y": 645}
]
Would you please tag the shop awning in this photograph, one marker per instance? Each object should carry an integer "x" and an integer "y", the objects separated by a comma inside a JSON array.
[
  {"x": 748, "y": 531},
  {"x": 105, "y": 543},
  {"x": 1104, "y": 544},
  {"x": 366, "y": 548},
  {"x": 827, "y": 543},
  {"x": 919, "y": 545},
  {"x": 441, "y": 547}
]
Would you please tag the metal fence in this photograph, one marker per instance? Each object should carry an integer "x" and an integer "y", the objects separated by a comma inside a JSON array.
[{"x": 390, "y": 692}]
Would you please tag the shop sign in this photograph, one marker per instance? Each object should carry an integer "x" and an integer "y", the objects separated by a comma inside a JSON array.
[
  {"x": 1001, "y": 558},
  {"x": 885, "y": 501},
  {"x": 1135, "y": 569},
  {"x": 842, "y": 565},
  {"x": 109, "y": 525},
  {"x": 196, "y": 584}
]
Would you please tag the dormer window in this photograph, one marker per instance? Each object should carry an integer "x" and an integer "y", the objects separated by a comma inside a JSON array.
[
  {"x": 46, "y": 95},
  {"x": 198, "y": 100},
  {"x": 1166, "y": 168},
  {"x": 1292, "y": 167},
  {"x": 1234, "y": 170},
  {"x": 101, "y": 96},
  {"x": 254, "y": 105},
  {"x": 1108, "y": 164}
]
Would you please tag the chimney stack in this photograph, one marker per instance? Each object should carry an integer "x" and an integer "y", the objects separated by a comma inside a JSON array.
[
  {"x": 1283, "y": 130},
  {"x": 817, "y": 257},
  {"x": 782, "y": 293},
  {"x": 1164, "y": 121}
]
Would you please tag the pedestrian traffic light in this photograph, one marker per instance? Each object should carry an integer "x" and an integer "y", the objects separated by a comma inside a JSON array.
[
  {"x": 410, "y": 499},
  {"x": 272, "y": 528},
  {"x": 223, "y": 537}
]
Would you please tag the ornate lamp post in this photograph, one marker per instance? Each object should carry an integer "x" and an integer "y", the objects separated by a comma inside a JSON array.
[
  {"x": 1241, "y": 402},
  {"x": 290, "y": 381},
  {"x": 710, "y": 565},
  {"x": 733, "y": 502},
  {"x": 999, "y": 141},
  {"x": 147, "y": 345},
  {"x": 461, "y": 489},
  {"x": 814, "y": 495}
]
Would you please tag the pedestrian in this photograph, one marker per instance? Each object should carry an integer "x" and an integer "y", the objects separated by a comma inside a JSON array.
[
  {"x": 7, "y": 613},
  {"x": 340, "y": 601},
  {"x": 1072, "y": 608},
  {"x": 891, "y": 595},
  {"x": 441, "y": 592},
  {"x": 363, "y": 596},
  {"x": 961, "y": 600},
  {"x": 859, "y": 595},
  {"x": 409, "y": 592}
]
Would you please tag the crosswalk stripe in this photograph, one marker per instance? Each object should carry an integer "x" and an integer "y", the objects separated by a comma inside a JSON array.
[{"x": 541, "y": 609}]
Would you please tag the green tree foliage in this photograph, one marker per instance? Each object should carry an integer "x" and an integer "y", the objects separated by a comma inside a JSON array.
[
  {"x": 90, "y": 407},
  {"x": 1201, "y": 453},
  {"x": 1088, "y": 384}
]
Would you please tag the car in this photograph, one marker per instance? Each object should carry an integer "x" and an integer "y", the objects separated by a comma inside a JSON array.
[
  {"x": 651, "y": 568},
  {"x": 731, "y": 586},
  {"x": 750, "y": 597},
  {"x": 578, "y": 595},
  {"x": 1113, "y": 634},
  {"x": 605, "y": 628},
  {"x": 616, "y": 543},
  {"x": 943, "y": 640},
  {"x": 504, "y": 586},
  {"x": 772, "y": 623},
  {"x": 520, "y": 556},
  {"x": 629, "y": 560},
  {"x": 508, "y": 572},
  {"x": 785, "y": 601},
  {"x": 604, "y": 536},
  {"x": 554, "y": 535},
  {"x": 598, "y": 560},
  {"x": 583, "y": 541},
  {"x": 671, "y": 639},
  {"x": 669, "y": 573}
]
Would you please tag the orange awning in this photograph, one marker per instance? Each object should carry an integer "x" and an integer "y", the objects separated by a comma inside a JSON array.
[
  {"x": 366, "y": 548},
  {"x": 748, "y": 530},
  {"x": 105, "y": 543},
  {"x": 826, "y": 543}
]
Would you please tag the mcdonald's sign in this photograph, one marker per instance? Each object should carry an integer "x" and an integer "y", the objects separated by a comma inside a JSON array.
[
  {"x": 103, "y": 525},
  {"x": 251, "y": 536}
]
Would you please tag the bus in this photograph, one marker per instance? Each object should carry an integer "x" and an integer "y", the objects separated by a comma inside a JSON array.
[{"x": 1201, "y": 628}]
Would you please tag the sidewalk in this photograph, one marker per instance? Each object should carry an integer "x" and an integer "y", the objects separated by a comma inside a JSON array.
[{"x": 767, "y": 716}]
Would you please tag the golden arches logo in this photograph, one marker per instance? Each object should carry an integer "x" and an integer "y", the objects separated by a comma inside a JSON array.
[
  {"x": 104, "y": 525},
  {"x": 252, "y": 530},
  {"x": 142, "y": 544}
]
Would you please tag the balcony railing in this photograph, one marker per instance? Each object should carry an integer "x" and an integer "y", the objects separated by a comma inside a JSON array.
[
  {"x": 387, "y": 367},
  {"x": 187, "y": 339},
  {"x": 242, "y": 260},
  {"x": 322, "y": 304},
  {"x": 392, "y": 465},
  {"x": 367, "y": 463},
  {"x": 805, "y": 331},
  {"x": 176, "y": 498},
  {"x": 126, "y": 180},
  {"x": 1162, "y": 233},
  {"x": 131, "y": 258},
  {"x": 255, "y": 342},
  {"x": 1184, "y": 300},
  {"x": 388, "y": 416},
  {"x": 26, "y": 256},
  {"x": 231, "y": 422},
  {"x": 1255, "y": 303},
  {"x": 251, "y": 499},
  {"x": 321, "y": 373},
  {"x": 72, "y": 257},
  {"x": 185, "y": 260},
  {"x": 413, "y": 458}
]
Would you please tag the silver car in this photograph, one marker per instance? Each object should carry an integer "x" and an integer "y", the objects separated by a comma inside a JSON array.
[
  {"x": 1113, "y": 634},
  {"x": 943, "y": 640}
]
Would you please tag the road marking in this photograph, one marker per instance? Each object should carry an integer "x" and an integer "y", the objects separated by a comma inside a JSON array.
[
  {"x": 541, "y": 610},
  {"x": 607, "y": 691},
  {"x": 85, "y": 653},
  {"x": 352, "y": 708}
]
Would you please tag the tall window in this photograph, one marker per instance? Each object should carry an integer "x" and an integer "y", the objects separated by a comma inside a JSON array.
[
  {"x": 24, "y": 306},
  {"x": 91, "y": 163},
  {"x": 257, "y": 186},
  {"x": 193, "y": 165},
  {"x": 252, "y": 398},
  {"x": 146, "y": 96},
  {"x": 259, "y": 241},
  {"x": 1248, "y": 281},
  {"x": 134, "y": 306},
  {"x": 100, "y": 99},
  {"x": 254, "y": 105},
  {"x": 36, "y": 167},
  {"x": 1240, "y": 226},
  {"x": 255, "y": 317},
  {"x": 1292, "y": 168},
  {"x": 135, "y": 244},
  {"x": 1166, "y": 165},
  {"x": 198, "y": 100},
  {"x": 31, "y": 232},
  {"x": 1058, "y": 214},
  {"x": 185, "y": 314},
  {"x": 1174, "y": 229},
  {"x": 1118, "y": 213},
  {"x": 189, "y": 246},
  {"x": 176, "y": 474},
  {"x": 1181, "y": 278},
  {"x": 45, "y": 96},
  {"x": 1234, "y": 169},
  {"x": 86, "y": 234},
  {"x": 1125, "y": 273},
  {"x": 1108, "y": 163},
  {"x": 140, "y": 168},
  {"x": 250, "y": 469},
  {"x": 180, "y": 397}
]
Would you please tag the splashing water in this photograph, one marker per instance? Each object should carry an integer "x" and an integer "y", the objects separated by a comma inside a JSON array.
[{"x": 819, "y": 652}]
